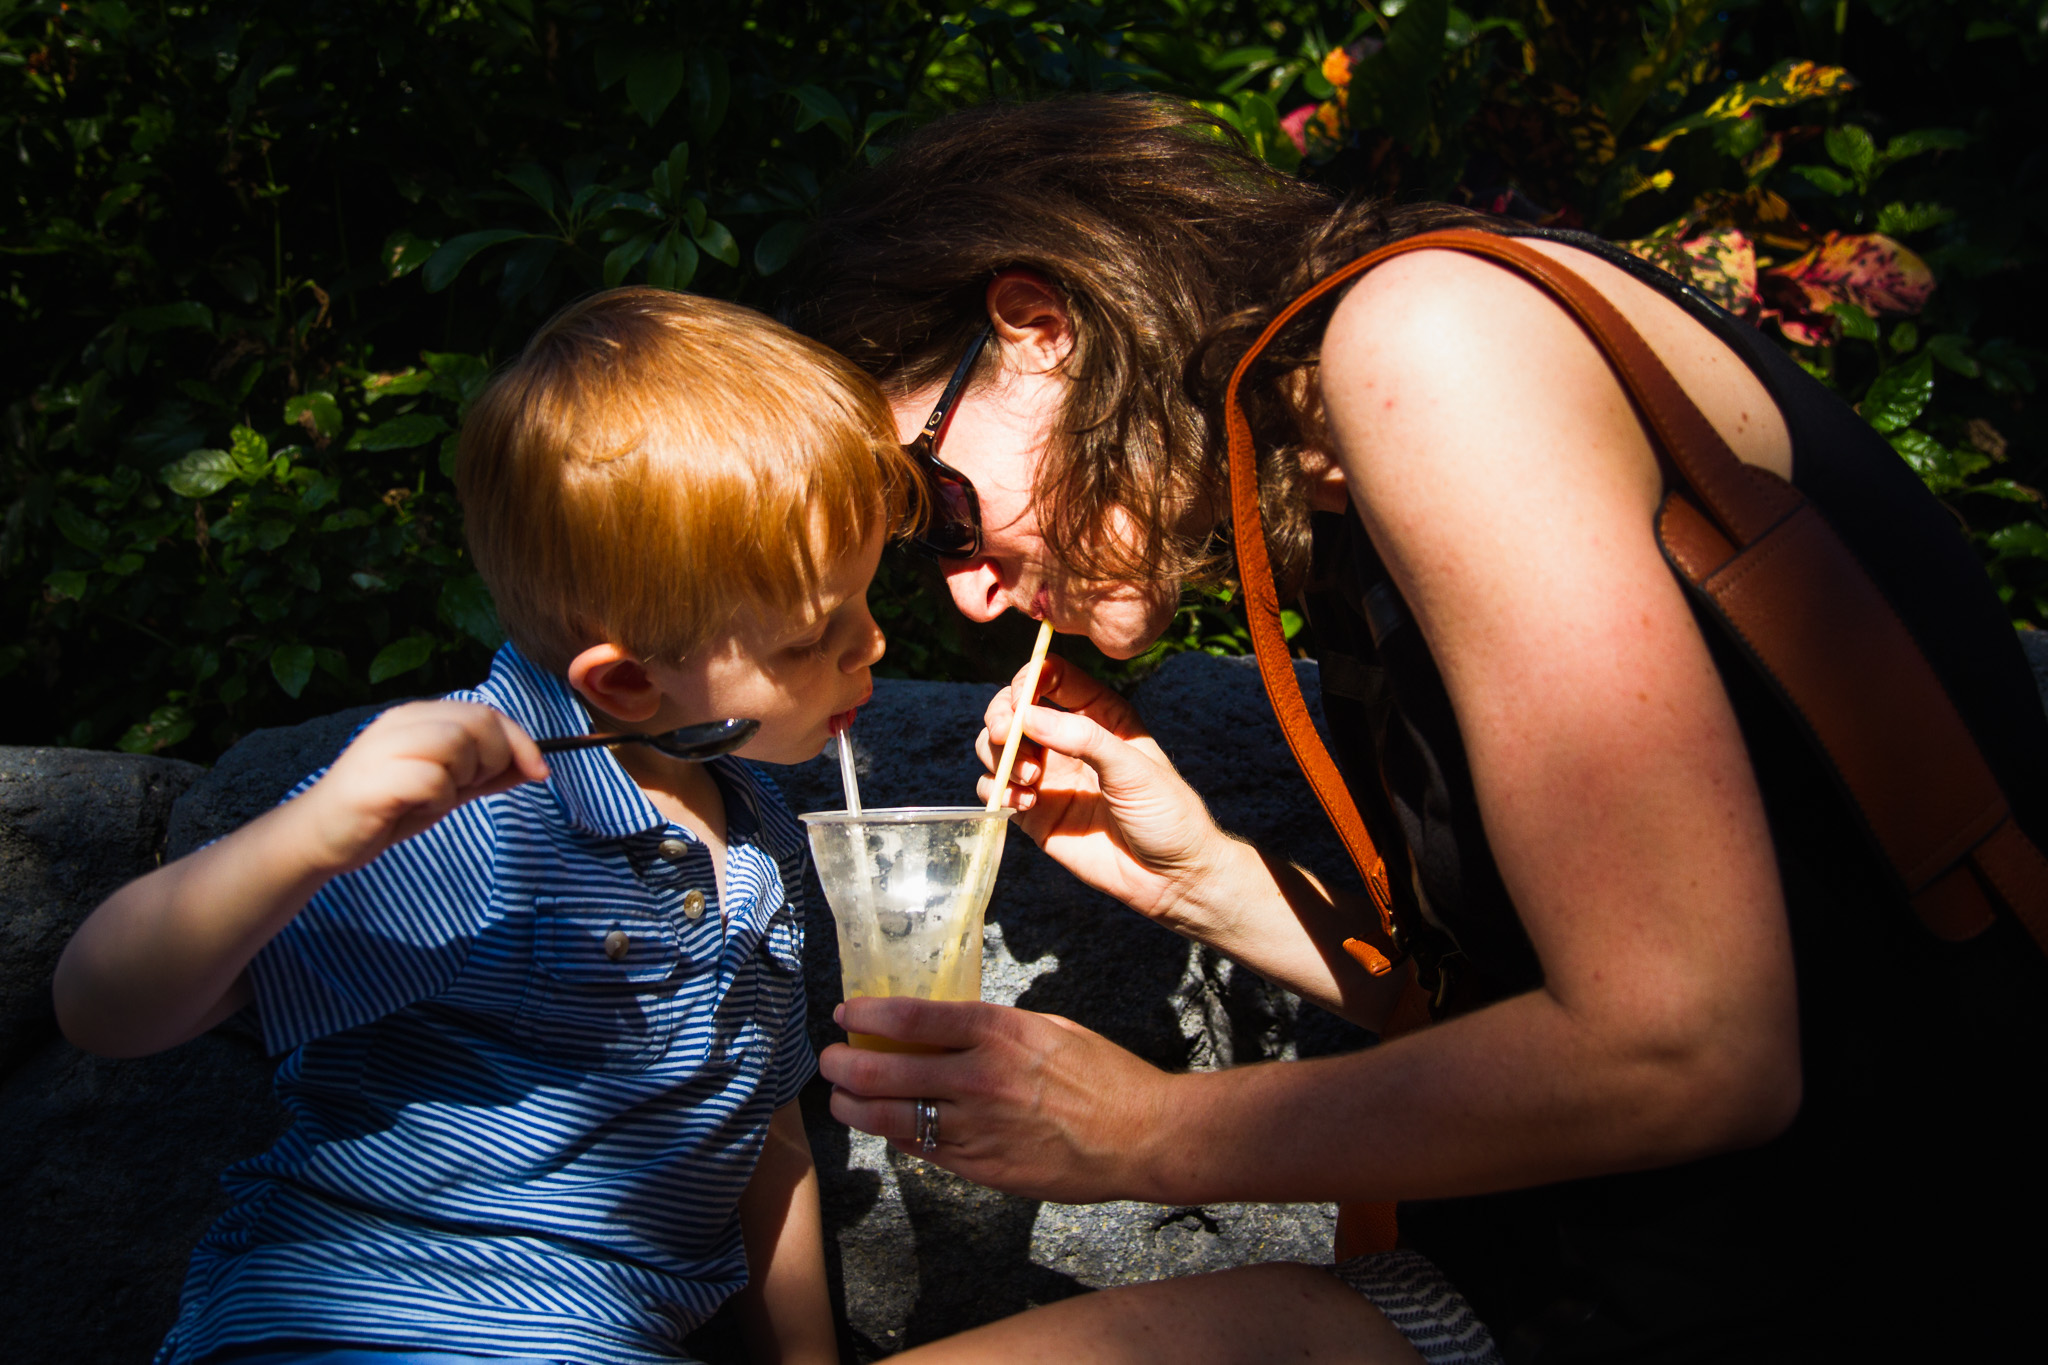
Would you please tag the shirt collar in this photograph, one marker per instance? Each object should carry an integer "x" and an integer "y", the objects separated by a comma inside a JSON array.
[
  {"x": 592, "y": 789},
  {"x": 595, "y": 792}
]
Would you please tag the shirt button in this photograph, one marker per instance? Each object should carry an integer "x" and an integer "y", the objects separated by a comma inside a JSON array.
[
  {"x": 616, "y": 943},
  {"x": 693, "y": 903},
  {"x": 675, "y": 850}
]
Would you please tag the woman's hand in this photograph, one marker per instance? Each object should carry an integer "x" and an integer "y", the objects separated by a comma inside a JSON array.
[
  {"x": 1096, "y": 793},
  {"x": 1030, "y": 1104}
]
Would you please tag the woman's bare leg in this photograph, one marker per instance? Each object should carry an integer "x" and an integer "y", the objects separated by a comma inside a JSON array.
[{"x": 1255, "y": 1315}]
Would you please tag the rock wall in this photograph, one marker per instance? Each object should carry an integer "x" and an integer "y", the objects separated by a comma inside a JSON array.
[{"x": 109, "y": 1169}]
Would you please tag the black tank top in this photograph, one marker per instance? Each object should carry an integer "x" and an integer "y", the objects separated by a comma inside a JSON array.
[{"x": 1902, "y": 1210}]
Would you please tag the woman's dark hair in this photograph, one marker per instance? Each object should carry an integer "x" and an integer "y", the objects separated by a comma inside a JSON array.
[{"x": 1158, "y": 226}]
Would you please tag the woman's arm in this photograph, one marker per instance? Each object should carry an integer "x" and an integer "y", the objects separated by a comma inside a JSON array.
[
  {"x": 785, "y": 1310},
  {"x": 161, "y": 960},
  {"x": 1510, "y": 489}
]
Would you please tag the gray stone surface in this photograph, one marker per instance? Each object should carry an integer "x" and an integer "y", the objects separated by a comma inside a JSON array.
[
  {"x": 2035, "y": 643},
  {"x": 114, "y": 1164},
  {"x": 109, "y": 1172},
  {"x": 254, "y": 776},
  {"x": 74, "y": 825}
]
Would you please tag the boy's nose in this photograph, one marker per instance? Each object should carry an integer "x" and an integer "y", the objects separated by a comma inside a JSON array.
[{"x": 869, "y": 645}]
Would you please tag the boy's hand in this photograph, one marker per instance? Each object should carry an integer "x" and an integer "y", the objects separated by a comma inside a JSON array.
[{"x": 410, "y": 767}]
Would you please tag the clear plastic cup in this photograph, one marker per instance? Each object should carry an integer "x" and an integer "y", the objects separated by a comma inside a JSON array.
[{"x": 908, "y": 887}]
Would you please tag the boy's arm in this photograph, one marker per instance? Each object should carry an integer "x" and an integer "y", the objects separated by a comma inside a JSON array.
[
  {"x": 162, "y": 959},
  {"x": 785, "y": 1310}
]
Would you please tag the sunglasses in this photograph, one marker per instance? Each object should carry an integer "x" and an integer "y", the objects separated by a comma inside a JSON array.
[{"x": 952, "y": 521}]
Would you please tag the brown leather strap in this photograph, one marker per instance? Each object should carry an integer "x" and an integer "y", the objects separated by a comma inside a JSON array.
[{"x": 1765, "y": 562}]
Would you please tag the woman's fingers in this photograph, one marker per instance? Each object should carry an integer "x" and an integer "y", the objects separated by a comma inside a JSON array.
[{"x": 933, "y": 1023}]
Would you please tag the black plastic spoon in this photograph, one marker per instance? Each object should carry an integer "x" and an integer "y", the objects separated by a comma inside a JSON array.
[{"x": 692, "y": 743}]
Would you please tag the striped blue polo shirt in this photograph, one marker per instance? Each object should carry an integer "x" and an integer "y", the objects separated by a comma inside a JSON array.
[{"x": 531, "y": 1059}]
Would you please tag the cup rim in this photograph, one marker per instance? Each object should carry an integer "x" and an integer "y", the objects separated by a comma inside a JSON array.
[{"x": 905, "y": 815}]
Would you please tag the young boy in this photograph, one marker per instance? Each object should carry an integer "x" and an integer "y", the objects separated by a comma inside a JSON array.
[{"x": 543, "y": 1023}]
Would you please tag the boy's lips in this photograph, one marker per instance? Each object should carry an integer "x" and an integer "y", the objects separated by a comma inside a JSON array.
[{"x": 843, "y": 721}]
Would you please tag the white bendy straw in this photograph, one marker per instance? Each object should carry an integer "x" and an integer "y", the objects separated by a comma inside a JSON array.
[
  {"x": 1026, "y": 694},
  {"x": 846, "y": 777}
]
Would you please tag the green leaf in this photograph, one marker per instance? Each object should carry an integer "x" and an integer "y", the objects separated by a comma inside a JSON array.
[
  {"x": 2022, "y": 540},
  {"x": 1850, "y": 147},
  {"x": 466, "y": 605},
  {"x": 1827, "y": 178},
  {"x": 451, "y": 449},
  {"x": 525, "y": 270},
  {"x": 710, "y": 92},
  {"x": 292, "y": 666},
  {"x": 717, "y": 239},
  {"x": 1904, "y": 338},
  {"x": 1855, "y": 322},
  {"x": 538, "y": 184},
  {"x": 250, "y": 450},
  {"x": 399, "y": 384},
  {"x": 85, "y": 532},
  {"x": 200, "y": 473},
  {"x": 815, "y": 105},
  {"x": 1952, "y": 350},
  {"x": 447, "y": 262},
  {"x": 673, "y": 262},
  {"x": 778, "y": 244},
  {"x": 66, "y": 584},
  {"x": 404, "y": 253},
  {"x": 621, "y": 259},
  {"x": 458, "y": 377},
  {"x": 1935, "y": 463},
  {"x": 401, "y": 656},
  {"x": 1898, "y": 220},
  {"x": 168, "y": 316},
  {"x": 167, "y": 725},
  {"x": 1789, "y": 82},
  {"x": 1900, "y": 394},
  {"x": 879, "y": 120},
  {"x": 653, "y": 80},
  {"x": 317, "y": 412},
  {"x": 320, "y": 492},
  {"x": 1922, "y": 140},
  {"x": 400, "y": 433}
]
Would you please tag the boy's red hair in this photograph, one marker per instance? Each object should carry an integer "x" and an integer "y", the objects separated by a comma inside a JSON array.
[{"x": 654, "y": 462}]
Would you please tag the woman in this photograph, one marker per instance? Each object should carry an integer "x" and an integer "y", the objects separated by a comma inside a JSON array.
[{"x": 1700, "y": 1087}]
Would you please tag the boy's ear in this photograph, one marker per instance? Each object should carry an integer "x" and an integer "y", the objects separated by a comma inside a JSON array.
[
  {"x": 614, "y": 682},
  {"x": 1031, "y": 320}
]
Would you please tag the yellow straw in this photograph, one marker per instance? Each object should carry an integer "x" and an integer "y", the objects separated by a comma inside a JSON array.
[{"x": 1027, "y": 694}]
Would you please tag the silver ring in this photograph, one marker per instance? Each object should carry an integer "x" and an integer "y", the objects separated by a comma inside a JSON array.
[{"x": 927, "y": 1127}]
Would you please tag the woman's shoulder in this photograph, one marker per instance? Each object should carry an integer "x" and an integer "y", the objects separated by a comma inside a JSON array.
[{"x": 1466, "y": 328}]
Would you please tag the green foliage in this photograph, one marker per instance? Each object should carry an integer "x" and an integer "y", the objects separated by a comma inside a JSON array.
[{"x": 258, "y": 260}]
